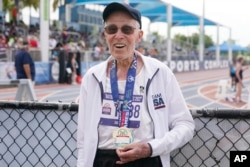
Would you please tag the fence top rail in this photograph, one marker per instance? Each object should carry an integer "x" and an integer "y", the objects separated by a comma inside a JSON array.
[
  {"x": 38, "y": 105},
  {"x": 218, "y": 113},
  {"x": 221, "y": 113}
]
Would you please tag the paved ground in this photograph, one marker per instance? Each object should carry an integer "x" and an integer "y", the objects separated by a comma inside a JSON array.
[{"x": 199, "y": 89}]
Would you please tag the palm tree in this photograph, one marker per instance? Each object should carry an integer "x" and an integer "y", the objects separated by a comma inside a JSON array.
[
  {"x": 8, "y": 5},
  {"x": 35, "y": 4},
  {"x": 31, "y": 3},
  {"x": 55, "y": 4}
]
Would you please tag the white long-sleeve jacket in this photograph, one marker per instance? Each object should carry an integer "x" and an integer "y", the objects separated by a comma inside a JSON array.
[{"x": 173, "y": 125}]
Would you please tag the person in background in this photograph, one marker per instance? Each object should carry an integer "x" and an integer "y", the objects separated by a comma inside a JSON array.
[
  {"x": 24, "y": 64},
  {"x": 19, "y": 44},
  {"x": 33, "y": 41},
  {"x": 72, "y": 65},
  {"x": 131, "y": 109},
  {"x": 3, "y": 48},
  {"x": 11, "y": 41},
  {"x": 239, "y": 78},
  {"x": 153, "y": 53},
  {"x": 52, "y": 42},
  {"x": 141, "y": 50},
  {"x": 97, "y": 52},
  {"x": 232, "y": 75}
]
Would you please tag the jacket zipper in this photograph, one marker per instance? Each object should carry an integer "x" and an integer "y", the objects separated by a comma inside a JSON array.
[{"x": 147, "y": 87}]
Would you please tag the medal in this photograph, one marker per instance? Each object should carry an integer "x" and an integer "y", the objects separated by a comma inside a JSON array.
[{"x": 122, "y": 137}]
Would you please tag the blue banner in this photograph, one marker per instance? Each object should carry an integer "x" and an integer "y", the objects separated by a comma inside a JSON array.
[{"x": 48, "y": 72}]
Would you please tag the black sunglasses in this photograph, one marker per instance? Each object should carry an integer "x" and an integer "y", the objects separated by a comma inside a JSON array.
[{"x": 126, "y": 29}]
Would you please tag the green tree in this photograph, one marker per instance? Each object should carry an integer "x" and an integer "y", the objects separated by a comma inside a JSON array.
[
  {"x": 157, "y": 36},
  {"x": 194, "y": 39},
  {"x": 208, "y": 41},
  {"x": 57, "y": 3},
  {"x": 180, "y": 37},
  {"x": 31, "y": 3},
  {"x": 7, "y": 5},
  {"x": 27, "y": 3},
  {"x": 35, "y": 4}
]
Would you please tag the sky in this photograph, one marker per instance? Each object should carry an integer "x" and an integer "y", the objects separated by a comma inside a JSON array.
[{"x": 230, "y": 13}]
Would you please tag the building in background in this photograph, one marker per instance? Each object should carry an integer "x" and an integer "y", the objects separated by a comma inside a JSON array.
[{"x": 85, "y": 18}]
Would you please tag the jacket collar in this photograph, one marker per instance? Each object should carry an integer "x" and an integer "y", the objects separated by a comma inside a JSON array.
[{"x": 149, "y": 64}]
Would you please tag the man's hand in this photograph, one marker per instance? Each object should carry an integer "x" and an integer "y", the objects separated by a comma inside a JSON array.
[
  {"x": 133, "y": 152},
  {"x": 27, "y": 71}
]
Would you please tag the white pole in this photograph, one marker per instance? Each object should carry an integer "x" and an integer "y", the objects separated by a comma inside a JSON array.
[
  {"x": 230, "y": 58},
  {"x": 149, "y": 30},
  {"x": 44, "y": 29},
  {"x": 1, "y": 5},
  {"x": 126, "y": 1},
  {"x": 169, "y": 48},
  {"x": 248, "y": 102},
  {"x": 68, "y": 12},
  {"x": 217, "y": 45},
  {"x": 2, "y": 14},
  {"x": 201, "y": 40}
]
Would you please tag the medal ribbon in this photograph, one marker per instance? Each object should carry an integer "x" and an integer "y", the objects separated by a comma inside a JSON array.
[{"x": 123, "y": 109}]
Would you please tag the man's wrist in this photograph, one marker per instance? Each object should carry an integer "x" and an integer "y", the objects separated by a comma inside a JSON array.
[
  {"x": 146, "y": 150},
  {"x": 150, "y": 150}
]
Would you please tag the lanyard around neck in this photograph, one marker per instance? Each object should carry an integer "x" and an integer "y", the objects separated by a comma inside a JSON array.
[{"x": 123, "y": 109}]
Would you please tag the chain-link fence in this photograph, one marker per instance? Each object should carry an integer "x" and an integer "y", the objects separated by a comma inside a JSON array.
[
  {"x": 217, "y": 133},
  {"x": 44, "y": 135},
  {"x": 37, "y": 135}
]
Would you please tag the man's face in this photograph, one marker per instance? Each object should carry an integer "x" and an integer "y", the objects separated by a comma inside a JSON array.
[{"x": 123, "y": 42}]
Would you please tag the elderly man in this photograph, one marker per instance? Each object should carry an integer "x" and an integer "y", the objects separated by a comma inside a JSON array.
[{"x": 131, "y": 110}]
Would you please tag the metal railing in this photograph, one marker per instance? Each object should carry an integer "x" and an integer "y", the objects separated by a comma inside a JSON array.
[{"x": 44, "y": 134}]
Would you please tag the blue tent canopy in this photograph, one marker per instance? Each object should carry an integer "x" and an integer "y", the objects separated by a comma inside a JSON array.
[
  {"x": 225, "y": 47},
  {"x": 156, "y": 11}
]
